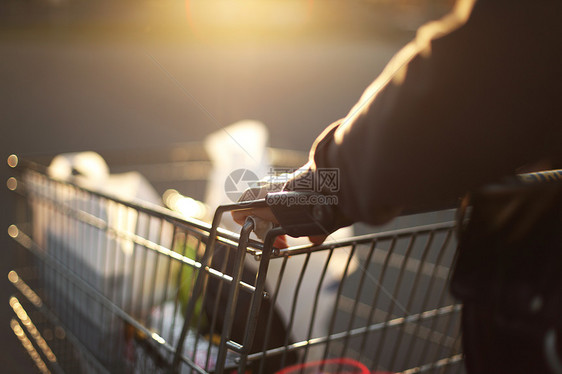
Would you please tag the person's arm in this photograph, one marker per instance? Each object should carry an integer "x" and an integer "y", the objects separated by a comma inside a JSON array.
[
  {"x": 466, "y": 102},
  {"x": 473, "y": 97}
]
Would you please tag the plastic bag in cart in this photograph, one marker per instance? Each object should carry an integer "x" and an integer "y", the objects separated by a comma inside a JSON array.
[
  {"x": 200, "y": 349},
  {"x": 108, "y": 257},
  {"x": 97, "y": 240},
  {"x": 243, "y": 145}
]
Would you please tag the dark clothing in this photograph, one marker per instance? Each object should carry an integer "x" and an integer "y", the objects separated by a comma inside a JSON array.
[
  {"x": 492, "y": 348},
  {"x": 508, "y": 275},
  {"x": 475, "y": 96}
]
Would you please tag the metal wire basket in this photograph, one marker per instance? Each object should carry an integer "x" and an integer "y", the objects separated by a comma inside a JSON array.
[{"x": 109, "y": 285}]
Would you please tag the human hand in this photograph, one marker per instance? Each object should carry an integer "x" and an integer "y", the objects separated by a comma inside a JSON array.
[{"x": 266, "y": 217}]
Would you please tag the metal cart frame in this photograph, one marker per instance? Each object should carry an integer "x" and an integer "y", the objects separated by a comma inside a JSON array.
[{"x": 162, "y": 293}]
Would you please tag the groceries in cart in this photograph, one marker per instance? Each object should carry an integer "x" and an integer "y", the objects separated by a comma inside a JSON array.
[
  {"x": 82, "y": 242},
  {"x": 243, "y": 146},
  {"x": 139, "y": 288},
  {"x": 117, "y": 232}
]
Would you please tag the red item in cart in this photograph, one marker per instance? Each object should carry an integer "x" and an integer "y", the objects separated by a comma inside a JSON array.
[{"x": 331, "y": 366}]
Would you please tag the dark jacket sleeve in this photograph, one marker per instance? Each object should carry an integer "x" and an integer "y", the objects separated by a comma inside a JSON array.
[{"x": 472, "y": 98}]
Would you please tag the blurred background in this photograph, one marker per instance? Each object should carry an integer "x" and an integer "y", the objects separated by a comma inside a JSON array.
[{"x": 117, "y": 75}]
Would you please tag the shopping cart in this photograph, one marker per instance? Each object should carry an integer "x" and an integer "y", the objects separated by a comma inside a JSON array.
[{"x": 108, "y": 285}]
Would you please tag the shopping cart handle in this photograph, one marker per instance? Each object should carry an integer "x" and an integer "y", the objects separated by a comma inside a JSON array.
[{"x": 302, "y": 213}]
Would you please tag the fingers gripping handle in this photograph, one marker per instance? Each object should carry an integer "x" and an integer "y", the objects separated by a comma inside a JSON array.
[
  {"x": 302, "y": 213},
  {"x": 261, "y": 226}
]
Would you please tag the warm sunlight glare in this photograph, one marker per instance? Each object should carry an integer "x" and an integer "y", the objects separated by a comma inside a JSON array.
[{"x": 245, "y": 19}]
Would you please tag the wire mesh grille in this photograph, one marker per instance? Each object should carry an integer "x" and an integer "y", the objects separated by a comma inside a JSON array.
[
  {"x": 382, "y": 300},
  {"x": 118, "y": 277}
]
